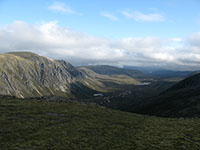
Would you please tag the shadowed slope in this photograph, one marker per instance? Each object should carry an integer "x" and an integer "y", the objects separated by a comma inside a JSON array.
[{"x": 181, "y": 100}]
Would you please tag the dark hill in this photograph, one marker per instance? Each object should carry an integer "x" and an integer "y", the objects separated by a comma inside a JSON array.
[
  {"x": 190, "y": 82},
  {"x": 170, "y": 74},
  {"x": 181, "y": 100}
]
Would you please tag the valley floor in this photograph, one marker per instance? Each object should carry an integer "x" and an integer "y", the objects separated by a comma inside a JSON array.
[{"x": 34, "y": 124}]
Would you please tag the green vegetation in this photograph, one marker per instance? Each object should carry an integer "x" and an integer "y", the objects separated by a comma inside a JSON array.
[
  {"x": 59, "y": 123},
  {"x": 107, "y": 82},
  {"x": 32, "y": 124},
  {"x": 181, "y": 100},
  {"x": 110, "y": 70}
]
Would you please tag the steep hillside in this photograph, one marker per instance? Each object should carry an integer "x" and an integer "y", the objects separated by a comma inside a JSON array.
[
  {"x": 190, "y": 82},
  {"x": 32, "y": 124},
  {"x": 181, "y": 100},
  {"x": 26, "y": 74}
]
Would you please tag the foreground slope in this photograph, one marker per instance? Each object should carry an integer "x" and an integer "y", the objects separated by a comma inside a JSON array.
[
  {"x": 181, "y": 100},
  {"x": 31, "y": 124}
]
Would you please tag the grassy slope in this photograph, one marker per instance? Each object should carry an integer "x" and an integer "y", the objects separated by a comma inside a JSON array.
[
  {"x": 111, "y": 70},
  {"x": 106, "y": 83},
  {"x": 51, "y": 125}
]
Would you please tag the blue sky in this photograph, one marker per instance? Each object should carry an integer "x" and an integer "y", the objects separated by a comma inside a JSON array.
[
  {"x": 180, "y": 17},
  {"x": 116, "y": 32}
]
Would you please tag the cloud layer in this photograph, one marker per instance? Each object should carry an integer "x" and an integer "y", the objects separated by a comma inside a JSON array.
[{"x": 51, "y": 40}]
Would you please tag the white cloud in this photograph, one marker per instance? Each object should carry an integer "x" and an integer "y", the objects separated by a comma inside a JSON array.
[
  {"x": 62, "y": 8},
  {"x": 145, "y": 44},
  {"x": 177, "y": 39},
  {"x": 109, "y": 16},
  {"x": 163, "y": 56},
  {"x": 51, "y": 40},
  {"x": 139, "y": 16}
]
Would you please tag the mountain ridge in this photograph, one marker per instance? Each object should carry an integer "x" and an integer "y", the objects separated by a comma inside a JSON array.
[
  {"x": 24, "y": 71},
  {"x": 26, "y": 74}
]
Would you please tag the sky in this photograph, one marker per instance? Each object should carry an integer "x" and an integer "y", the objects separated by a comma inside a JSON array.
[{"x": 160, "y": 33}]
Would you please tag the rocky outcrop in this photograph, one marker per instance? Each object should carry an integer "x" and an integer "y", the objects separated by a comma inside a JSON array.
[{"x": 26, "y": 74}]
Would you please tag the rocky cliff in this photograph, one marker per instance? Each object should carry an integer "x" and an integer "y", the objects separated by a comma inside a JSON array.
[{"x": 27, "y": 74}]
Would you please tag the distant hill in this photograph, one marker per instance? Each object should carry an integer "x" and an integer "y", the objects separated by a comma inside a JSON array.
[
  {"x": 144, "y": 69},
  {"x": 25, "y": 74},
  {"x": 181, "y": 100},
  {"x": 170, "y": 74},
  {"x": 161, "y": 73},
  {"x": 110, "y": 70}
]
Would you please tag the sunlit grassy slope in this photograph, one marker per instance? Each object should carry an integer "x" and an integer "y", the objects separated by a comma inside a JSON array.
[{"x": 31, "y": 124}]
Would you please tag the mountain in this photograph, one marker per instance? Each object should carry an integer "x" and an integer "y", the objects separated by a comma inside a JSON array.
[
  {"x": 161, "y": 73},
  {"x": 110, "y": 70},
  {"x": 181, "y": 100},
  {"x": 40, "y": 124},
  {"x": 188, "y": 83},
  {"x": 144, "y": 69},
  {"x": 28, "y": 74},
  {"x": 170, "y": 74},
  {"x": 108, "y": 80},
  {"x": 25, "y": 74}
]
